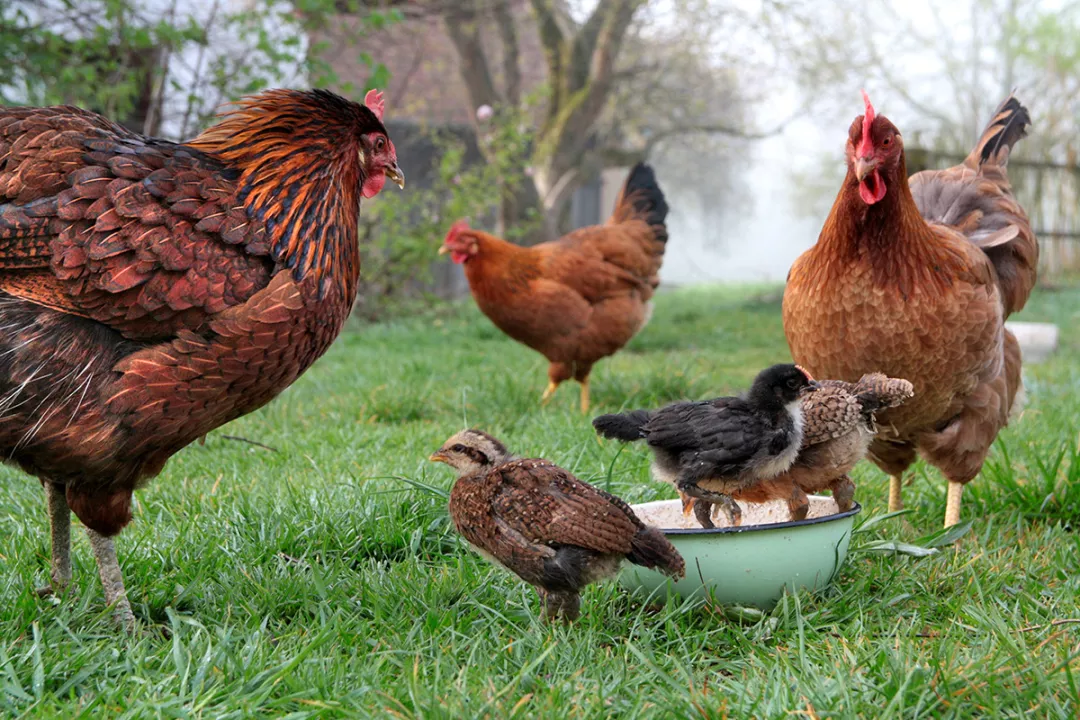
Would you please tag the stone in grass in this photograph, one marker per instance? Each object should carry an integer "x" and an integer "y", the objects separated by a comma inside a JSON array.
[{"x": 1037, "y": 340}]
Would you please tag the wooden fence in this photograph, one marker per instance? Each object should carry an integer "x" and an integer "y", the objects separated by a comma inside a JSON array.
[{"x": 1050, "y": 192}]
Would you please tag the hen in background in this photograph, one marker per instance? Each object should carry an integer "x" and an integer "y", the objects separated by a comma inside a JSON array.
[
  {"x": 152, "y": 291},
  {"x": 915, "y": 279},
  {"x": 541, "y": 523},
  {"x": 577, "y": 299}
]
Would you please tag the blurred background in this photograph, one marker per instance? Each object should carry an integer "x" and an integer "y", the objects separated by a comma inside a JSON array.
[{"x": 525, "y": 115}]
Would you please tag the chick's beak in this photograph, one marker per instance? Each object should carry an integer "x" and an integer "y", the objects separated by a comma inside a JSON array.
[
  {"x": 437, "y": 457},
  {"x": 394, "y": 173},
  {"x": 863, "y": 167}
]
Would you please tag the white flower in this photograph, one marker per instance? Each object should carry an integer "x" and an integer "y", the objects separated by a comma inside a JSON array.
[
  {"x": 484, "y": 112},
  {"x": 529, "y": 171}
]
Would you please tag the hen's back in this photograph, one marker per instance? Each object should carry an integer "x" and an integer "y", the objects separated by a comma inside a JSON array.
[{"x": 976, "y": 200}]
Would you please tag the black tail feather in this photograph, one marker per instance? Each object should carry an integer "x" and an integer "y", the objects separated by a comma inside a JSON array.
[
  {"x": 1005, "y": 129},
  {"x": 624, "y": 426},
  {"x": 643, "y": 194}
]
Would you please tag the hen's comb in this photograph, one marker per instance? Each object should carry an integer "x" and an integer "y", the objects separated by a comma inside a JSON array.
[
  {"x": 375, "y": 103},
  {"x": 456, "y": 229},
  {"x": 866, "y": 146}
]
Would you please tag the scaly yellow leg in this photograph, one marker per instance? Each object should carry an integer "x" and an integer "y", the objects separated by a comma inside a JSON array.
[
  {"x": 895, "y": 501},
  {"x": 585, "y": 395},
  {"x": 952, "y": 503},
  {"x": 546, "y": 397},
  {"x": 687, "y": 505}
]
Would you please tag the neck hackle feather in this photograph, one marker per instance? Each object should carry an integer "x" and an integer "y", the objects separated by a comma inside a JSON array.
[{"x": 300, "y": 172}]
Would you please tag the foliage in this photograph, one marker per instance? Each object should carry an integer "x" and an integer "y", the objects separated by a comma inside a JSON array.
[
  {"x": 400, "y": 232},
  {"x": 164, "y": 66},
  {"x": 312, "y": 583}
]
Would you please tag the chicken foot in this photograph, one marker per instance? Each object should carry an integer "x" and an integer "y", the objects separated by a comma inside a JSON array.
[
  {"x": 564, "y": 605},
  {"x": 60, "y": 540},
  {"x": 548, "y": 392},
  {"x": 952, "y": 503},
  {"x": 705, "y": 502},
  {"x": 112, "y": 580},
  {"x": 585, "y": 395}
]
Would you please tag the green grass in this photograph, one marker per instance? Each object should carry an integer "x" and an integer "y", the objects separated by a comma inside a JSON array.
[{"x": 310, "y": 582}]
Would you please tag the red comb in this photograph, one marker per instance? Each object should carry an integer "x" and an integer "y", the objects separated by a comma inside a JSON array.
[
  {"x": 456, "y": 229},
  {"x": 375, "y": 103},
  {"x": 866, "y": 146}
]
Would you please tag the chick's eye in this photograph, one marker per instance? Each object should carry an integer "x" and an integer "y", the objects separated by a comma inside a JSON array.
[{"x": 458, "y": 448}]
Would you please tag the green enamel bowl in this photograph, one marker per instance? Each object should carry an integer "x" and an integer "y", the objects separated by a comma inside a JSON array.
[{"x": 752, "y": 564}]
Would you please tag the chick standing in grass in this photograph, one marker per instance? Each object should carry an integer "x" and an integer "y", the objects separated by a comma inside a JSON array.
[
  {"x": 838, "y": 425},
  {"x": 541, "y": 523},
  {"x": 728, "y": 443}
]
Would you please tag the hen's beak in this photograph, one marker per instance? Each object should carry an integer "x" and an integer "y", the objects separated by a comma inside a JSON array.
[
  {"x": 863, "y": 167},
  {"x": 394, "y": 173},
  {"x": 438, "y": 457},
  {"x": 443, "y": 250}
]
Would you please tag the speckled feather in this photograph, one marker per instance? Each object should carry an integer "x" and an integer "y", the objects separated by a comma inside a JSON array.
[
  {"x": 523, "y": 512},
  {"x": 151, "y": 291}
]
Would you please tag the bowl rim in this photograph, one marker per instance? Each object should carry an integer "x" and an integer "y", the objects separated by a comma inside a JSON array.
[{"x": 856, "y": 508}]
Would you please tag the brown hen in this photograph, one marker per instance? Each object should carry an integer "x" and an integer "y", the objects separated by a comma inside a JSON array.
[
  {"x": 541, "y": 523},
  {"x": 915, "y": 279},
  {"x": 577, "y": 299},
  {"x": 152, "y": 291}
]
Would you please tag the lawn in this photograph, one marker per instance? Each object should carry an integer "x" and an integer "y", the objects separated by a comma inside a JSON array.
[{"x": 311, "y": 580}]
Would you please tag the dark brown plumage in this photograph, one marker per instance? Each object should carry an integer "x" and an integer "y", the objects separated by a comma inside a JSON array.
[
  {"x": 538, "y": 521},
  {"x": 152, "y": 291},
  {"x": 838, "y": 425}
]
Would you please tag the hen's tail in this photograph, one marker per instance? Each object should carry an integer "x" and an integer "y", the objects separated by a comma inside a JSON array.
[
  {"x": 651, "y": 549},
  {"x": 1006, "y": 128},
  {"x": 642, "y": 198},
  {"x": 625, "y": 426}
]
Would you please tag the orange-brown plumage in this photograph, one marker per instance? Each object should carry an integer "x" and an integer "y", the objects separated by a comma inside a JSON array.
[
  {"x": 915, "y": 279},
  {"x": 577, "y": 299},
  {"x": 151, "y": 291}
]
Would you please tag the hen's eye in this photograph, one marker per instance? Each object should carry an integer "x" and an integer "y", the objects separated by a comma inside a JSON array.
[
  {"x": 380, "y": 143},
  {"x": 458, "y": 448},
  {"x": 886, "y": 141}
]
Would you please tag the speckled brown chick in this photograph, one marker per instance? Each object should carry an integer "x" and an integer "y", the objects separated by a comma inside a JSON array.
[
  {"x": 838, "y": 425},
  {"x": 541, "y": 523}
]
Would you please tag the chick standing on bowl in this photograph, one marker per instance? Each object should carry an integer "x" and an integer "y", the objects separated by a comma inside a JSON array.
[
  {"x": 541, "y": 523},
  {"x": 713, "y": 450},
  {"x": 838, "y": 425}
]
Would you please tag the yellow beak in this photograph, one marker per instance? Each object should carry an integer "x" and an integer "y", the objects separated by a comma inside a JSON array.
[
  {"x": 394, "y": 173},
  {"x": 438, "y": 457},
  {"x": 863, "y": 167},
  {"x": 443, "y": 250}
]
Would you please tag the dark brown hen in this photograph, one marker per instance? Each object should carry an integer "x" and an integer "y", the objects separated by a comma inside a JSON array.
[
  {"x": 152, "y": 291},
  {"x": 552, "y": 530}
]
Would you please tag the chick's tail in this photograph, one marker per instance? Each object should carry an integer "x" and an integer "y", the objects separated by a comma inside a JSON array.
[
  {"x": 651, "y": 549},
  {"x": 623, "y": 426}
]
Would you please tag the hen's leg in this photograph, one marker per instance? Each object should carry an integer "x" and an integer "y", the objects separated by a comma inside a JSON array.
[
  {"x": 548, "y": 392},
  {"x": 585, "y": 395},
  {"x": 895, "y": 501},
  {"x": 798, "y": 504},
  {"x": 60, "y": 538},
  {"x": 952, "y": 503},
  {"x": 843, "y": 492},
  {"x": 565, "y": 605},
  {"x": 112, "y": 580},
  {"x": 703, "y": 513}
]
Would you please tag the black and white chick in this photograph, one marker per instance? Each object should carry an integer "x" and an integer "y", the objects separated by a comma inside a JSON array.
[
  {"x": 541, "y": 523},
  {"x": 732, "y": 442}
]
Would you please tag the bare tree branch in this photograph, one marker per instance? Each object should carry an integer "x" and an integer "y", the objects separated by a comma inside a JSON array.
[
  {"x": 504, "y": 19},
  {"x": 462, "y": 25}
]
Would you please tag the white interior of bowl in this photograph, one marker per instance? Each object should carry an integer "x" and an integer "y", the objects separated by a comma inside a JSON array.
[{"x": 667, "y": 514}]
